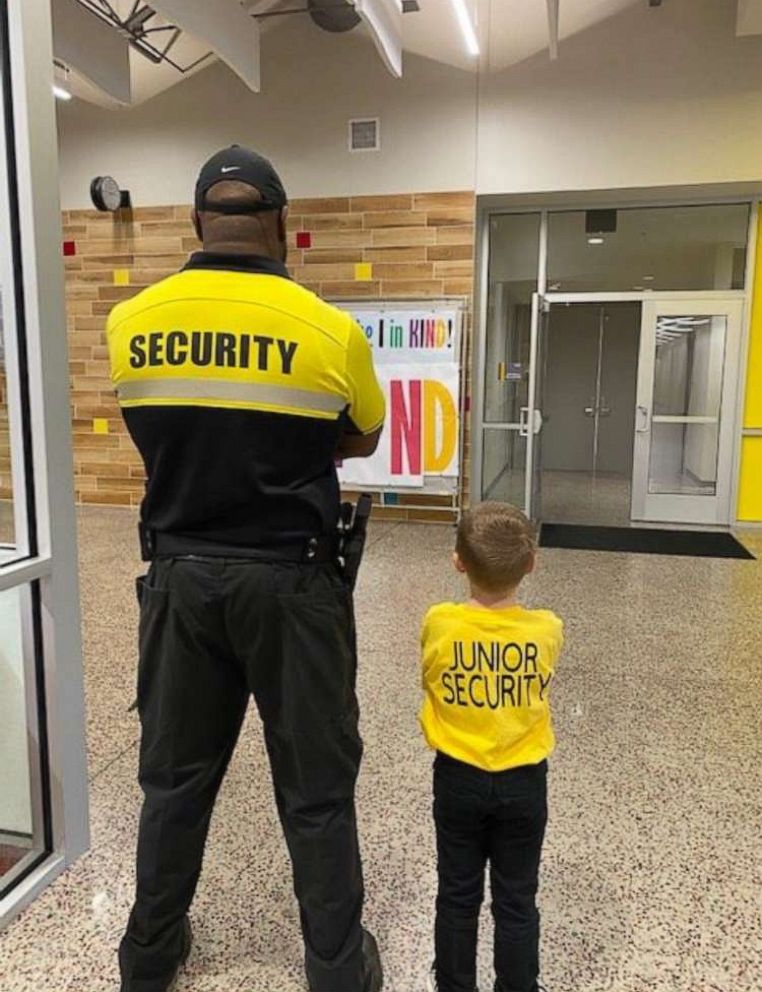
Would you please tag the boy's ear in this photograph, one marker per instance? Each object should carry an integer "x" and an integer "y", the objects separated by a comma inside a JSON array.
[
  {"x": 457, "y": 563},
  {"x": 531, "y": 563}
]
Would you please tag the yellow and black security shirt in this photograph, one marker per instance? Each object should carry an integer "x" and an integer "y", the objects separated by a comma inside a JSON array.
[
  {"x": 236, "y": 385},
  {"x": 486, "y": 682}
]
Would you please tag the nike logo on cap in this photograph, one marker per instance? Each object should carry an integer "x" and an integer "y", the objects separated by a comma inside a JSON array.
[{"x": 230, "y": 168}]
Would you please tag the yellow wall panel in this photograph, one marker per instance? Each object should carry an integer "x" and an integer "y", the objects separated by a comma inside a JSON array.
[
  {"x": 750, "y": 482},
  {"x": 750, "y": 487},
  {"x": 753, "y": 405}
]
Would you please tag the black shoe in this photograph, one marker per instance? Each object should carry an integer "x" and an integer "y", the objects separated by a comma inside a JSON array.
[
  {"x": 374, "y": 973},
  {"x": 185, "y": 954}
]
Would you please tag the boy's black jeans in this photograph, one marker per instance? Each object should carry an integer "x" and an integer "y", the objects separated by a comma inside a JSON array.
[{"x": 495, "y": 817}]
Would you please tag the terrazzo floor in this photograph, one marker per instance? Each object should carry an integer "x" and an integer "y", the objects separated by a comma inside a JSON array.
[
  {"x": 651, "y": 878},
  {"x": 586, "y": 498}
]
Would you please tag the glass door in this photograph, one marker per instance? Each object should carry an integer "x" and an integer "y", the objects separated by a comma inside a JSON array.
[
  {"x": 504, "y": 388},
  {"x": 684, "y": 418},
  {"x": 588, "y": 363},
  {"x": 43, "y": 784}
]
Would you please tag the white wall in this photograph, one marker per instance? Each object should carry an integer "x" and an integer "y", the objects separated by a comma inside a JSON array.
[
  {"x": 647, "y": 98},
  {"x": 312, "y": 84}
]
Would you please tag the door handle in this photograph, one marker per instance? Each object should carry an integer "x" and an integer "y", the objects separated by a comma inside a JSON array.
[
  {"x": 524, "y": 421},
  {"x": 603, "y": 410},
  {"x": 642, "y": 419},
  {"x": 589, "y": 411}
]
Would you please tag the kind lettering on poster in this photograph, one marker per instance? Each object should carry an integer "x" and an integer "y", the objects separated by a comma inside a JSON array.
[{"x": 411, "y": 333}]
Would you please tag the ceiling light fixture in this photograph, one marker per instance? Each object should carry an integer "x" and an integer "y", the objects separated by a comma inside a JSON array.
[
  {"x": 61, "y": 89},
  {"x": 595, "y": 241},
  {"x": 466, "y": 27}
]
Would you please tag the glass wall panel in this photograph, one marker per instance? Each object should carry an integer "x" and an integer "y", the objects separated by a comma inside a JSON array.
[
  {"x": 648, "y": 248},
  {"x": 690, "y": 359},
  {"x": 514, "y": 245},
  {"x": 21, "y": 800},
  {"x": 504, "y": 466},
  {"x": 683, "y": 459},
  {"x": 687, "y": 403},
  {"x": 7, "y": 537}
]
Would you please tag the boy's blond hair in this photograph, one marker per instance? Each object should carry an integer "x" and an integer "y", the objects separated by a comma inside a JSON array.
[{"x": 496, "y": 543}]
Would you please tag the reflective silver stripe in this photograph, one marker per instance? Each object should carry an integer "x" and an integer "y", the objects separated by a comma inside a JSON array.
[{"x": 224, "y": 389}]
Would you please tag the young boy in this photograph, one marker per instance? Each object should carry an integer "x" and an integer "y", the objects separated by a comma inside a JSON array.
[{"x": 487, "y": 666}]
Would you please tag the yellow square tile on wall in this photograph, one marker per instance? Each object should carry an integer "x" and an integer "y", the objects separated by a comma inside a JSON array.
[
  {"x": 100, "y": 425},
  {"x": 363, "y": 271},
  {"x": 121, "y": 277}
]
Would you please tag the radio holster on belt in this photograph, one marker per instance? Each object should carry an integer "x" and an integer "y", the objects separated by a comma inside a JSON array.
[
  {"x": 353, "y": 527},
  {"x": 147, "y": 542}
]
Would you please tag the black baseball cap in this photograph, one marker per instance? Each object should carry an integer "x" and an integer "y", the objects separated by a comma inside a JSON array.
[{"x": 244, "y": 166}]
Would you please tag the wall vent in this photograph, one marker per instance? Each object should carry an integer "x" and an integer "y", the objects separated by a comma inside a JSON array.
[{"x": 365, "y": 134}]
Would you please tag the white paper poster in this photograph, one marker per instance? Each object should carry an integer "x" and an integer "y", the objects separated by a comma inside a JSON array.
[{"x": 416, "y": 355}]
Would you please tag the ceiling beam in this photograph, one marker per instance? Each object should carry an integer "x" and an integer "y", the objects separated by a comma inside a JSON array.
[
  {"x": 749, "y": 17},
  {"x": 553, "y": 27},
  {"x": 92, "y": 49},
  {"x": 258, "y": 7},
  {"x": 230, "y": 32},
  {"x": 384, "y": 21}
]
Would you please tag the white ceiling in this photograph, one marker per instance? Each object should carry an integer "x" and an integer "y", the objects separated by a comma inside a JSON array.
[{"x": 509, "y": 32}]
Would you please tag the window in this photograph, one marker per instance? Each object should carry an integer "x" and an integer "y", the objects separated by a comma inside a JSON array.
[{"x": 652, "y": 248}]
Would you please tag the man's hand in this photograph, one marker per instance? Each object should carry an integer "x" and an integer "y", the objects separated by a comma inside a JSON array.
[{"x": 357, "y": 445}]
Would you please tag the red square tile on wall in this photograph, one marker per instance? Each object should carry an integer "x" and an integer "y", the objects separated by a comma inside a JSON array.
[
  {"x": 303, "y": 239},
  {"x": 70, "y": 248}
]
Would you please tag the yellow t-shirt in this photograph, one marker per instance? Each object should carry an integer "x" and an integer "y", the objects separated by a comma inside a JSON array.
[{"x": 486, "y": 679}]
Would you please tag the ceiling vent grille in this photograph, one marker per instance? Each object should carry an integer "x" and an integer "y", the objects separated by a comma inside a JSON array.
[{"x": 365, "y": 134}]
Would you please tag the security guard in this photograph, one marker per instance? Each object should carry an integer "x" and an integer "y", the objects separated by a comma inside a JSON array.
[{"x": 240, "y": 389}]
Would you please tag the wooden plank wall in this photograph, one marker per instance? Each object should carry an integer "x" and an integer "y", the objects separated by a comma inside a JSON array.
[{"x": 419, "y": 245}]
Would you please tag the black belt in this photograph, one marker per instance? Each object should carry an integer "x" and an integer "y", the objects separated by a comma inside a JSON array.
[{"x": 154, "y": 544}]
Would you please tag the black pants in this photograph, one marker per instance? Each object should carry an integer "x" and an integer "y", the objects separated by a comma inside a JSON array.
[
  {"x": 212, "y": 632},
  {"x": 495, "y": 817}
]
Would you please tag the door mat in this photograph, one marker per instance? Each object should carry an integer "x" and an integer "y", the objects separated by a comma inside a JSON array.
[{"x": 643, "y": 540}]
